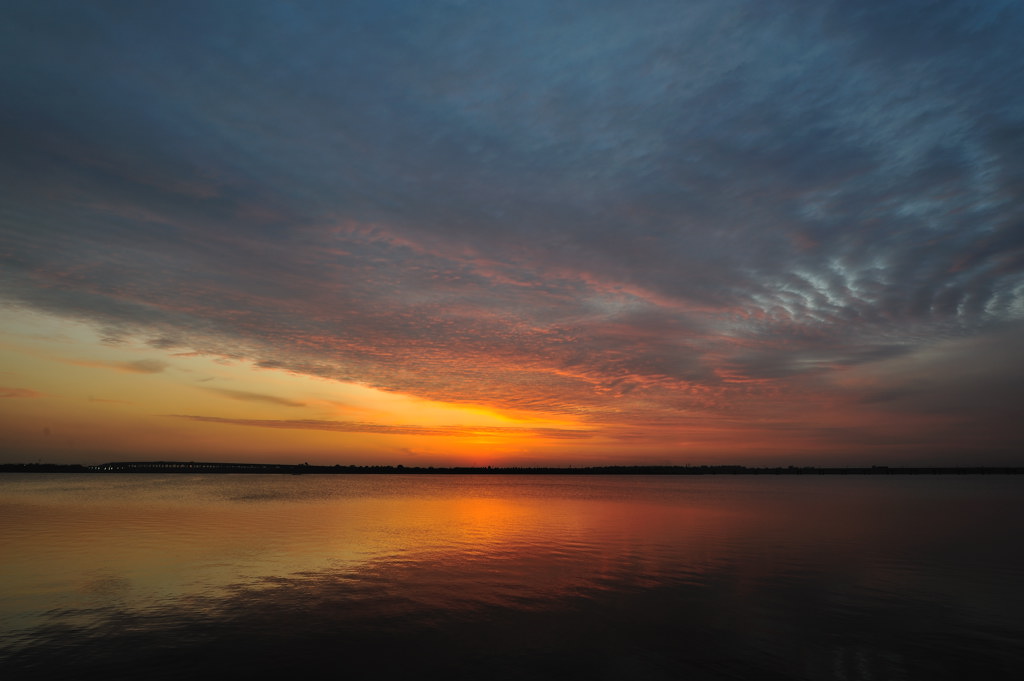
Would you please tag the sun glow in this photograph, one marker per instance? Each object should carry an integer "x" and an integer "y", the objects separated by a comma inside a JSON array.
[{"x": 74, "y": 392}]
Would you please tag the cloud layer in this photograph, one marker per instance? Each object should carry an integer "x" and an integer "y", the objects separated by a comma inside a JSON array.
[
  {"x": 770, "y": 213},
  {"x": 387, "y": 429}
]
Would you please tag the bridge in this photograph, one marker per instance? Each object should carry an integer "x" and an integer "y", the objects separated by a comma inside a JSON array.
[{"x": 197, "y": 467}]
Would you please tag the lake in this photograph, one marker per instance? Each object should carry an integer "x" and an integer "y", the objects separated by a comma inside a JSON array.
[{"x": 511, "y": 577}]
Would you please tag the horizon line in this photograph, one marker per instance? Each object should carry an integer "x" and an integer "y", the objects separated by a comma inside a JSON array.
[{"x": 207, "y": 467}]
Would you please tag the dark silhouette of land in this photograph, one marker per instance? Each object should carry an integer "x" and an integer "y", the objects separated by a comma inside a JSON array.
[{"x": 194, "y": 467}]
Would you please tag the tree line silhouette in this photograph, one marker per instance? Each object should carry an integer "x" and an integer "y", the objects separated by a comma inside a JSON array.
[{"x": 201, "y": 467}]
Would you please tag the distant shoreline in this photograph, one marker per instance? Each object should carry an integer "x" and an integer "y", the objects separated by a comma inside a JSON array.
[{"x": 205, "y": 468}]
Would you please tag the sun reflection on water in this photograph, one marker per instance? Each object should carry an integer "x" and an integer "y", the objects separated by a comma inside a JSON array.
[{"x": 542, "y": 564}]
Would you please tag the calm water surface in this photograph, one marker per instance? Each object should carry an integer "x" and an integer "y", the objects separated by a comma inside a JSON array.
[{"x": 505, "y": 577}]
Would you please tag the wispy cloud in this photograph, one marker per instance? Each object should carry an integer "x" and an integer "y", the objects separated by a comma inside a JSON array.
[
  {"x": 255, "y": 397},
  {"x": 19, "y": 393},
  {"x": 387, "y": 429},
  {"x": 140, "y": 366}
]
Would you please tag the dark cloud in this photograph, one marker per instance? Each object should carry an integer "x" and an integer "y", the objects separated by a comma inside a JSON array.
[
  {"x": 974, "y": 376},
  {"x": 598, "y": 208}
]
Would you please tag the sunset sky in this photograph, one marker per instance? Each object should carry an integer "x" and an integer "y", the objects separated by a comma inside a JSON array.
[{"x": 501, "y": 233}]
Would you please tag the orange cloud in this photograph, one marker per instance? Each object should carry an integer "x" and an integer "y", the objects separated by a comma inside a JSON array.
[
  {"x": 361, "y": 427},
  {"x": 19, "y": 392}
]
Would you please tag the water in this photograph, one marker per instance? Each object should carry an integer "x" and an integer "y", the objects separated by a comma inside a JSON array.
[{"x": 508, "y": 577}]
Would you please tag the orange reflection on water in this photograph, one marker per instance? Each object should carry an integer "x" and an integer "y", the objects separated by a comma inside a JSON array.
[
  {"x": 439, "y": 541},
  {"x": 85, "y": 541},
  {"x": 507, "y": 563}
]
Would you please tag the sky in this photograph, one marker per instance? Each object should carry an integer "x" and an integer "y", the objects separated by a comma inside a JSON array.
[{"x": 583, "y": 232}]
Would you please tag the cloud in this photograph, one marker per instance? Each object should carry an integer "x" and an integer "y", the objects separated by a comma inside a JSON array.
[
  {"x": 19, "y": 392},
  {"x": 614, "y": 211},
  {"x": 144, "y": 366},
  {"x": 978, "y": 377},
  {"x": 140, "y": 366},
  {"x": 385, "y": 429},
  {"x": 255, "y": 397}
]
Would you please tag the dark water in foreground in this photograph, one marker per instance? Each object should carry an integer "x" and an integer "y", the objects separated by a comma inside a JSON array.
[{"x": 504, "y": 577}]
